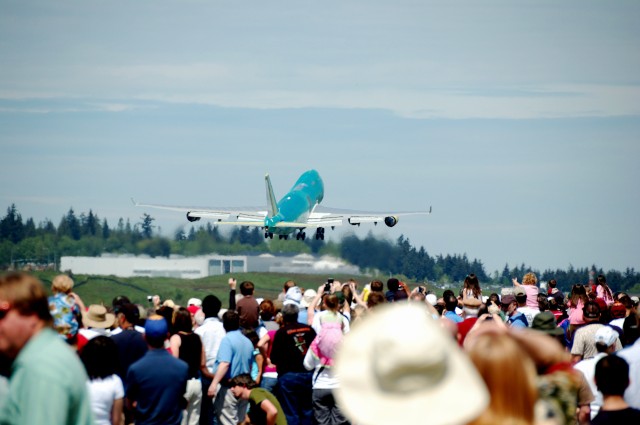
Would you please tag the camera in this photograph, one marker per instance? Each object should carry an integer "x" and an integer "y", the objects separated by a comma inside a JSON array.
[
  {"x": 150, "y": 298},
  {"x": 327, "y": 286},
  {"x": 421, "y": 289}
]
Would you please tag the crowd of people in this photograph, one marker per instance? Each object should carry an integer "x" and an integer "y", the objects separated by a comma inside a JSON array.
[{"x": 336, "y": 354}]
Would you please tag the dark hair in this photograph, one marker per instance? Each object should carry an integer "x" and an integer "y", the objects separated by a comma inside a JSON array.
[
  {"x": 552, "y": 283},
  {"x": 332, "y": 302},
  {"x": 591, "y": 308},
  {"x": 211, "y": 306},
  {"x": 243, "y": 380},
  {"x": 100, "y": 357},
  {"x": 231, "y": 320},
  {"x": 393, "y": 284},
  {"x": 167, "y": 312},
  {"x": 377, "y": 286},
  {"x": 253, "y": 336},
  {"x": 451, "y": 302},
  {"x": 247, "y": 287},
  {"x": 130, "y": 312},
  {"x": 612, "y": 375},
  {"x": 182, "y": 320},
  {"x": 119, "y": 301}
]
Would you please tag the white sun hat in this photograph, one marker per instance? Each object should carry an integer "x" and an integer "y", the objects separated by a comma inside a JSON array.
[{"x": 398, "y": 366}]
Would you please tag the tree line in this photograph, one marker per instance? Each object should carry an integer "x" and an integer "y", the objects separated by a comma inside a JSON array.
[{"x": 85, "y": 234}]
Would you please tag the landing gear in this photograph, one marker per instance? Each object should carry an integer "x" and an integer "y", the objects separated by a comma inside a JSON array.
[
  {"x": 268, "y": 235},
  {"x": 301, "y": 235},
  {"x": 285, "y": 237},
  {"x": 320, "y": 233}
]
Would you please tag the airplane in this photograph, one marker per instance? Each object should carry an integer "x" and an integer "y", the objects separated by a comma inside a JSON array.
[{"x": 298, "y": 210}]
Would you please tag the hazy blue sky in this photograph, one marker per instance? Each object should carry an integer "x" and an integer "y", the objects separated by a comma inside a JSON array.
[{"x": 519, "y": 122}]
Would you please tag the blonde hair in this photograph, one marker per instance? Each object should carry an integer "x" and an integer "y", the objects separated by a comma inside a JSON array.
[
  {"x": 62, "y": 283},
  {"x": 529, "y": 279},
  {"x": 510, "y": 376}
]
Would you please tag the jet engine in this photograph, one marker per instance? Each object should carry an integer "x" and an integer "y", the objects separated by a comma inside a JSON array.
[
  {"x": 391, "y": 221},
  {"x": 192, "y": 218}
]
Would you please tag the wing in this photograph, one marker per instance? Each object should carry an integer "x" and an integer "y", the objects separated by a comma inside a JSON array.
[
  {"x": 356, "y": 217},
  {"x": 239, "y": 216}
]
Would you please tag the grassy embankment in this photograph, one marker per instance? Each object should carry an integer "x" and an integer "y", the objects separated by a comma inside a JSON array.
[{"x": 102, "y": 289}]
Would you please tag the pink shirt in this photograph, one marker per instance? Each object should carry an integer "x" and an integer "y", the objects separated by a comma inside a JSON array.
[
  {"x": 532, "y": 296},
  {"x": 575, "y": 314}
]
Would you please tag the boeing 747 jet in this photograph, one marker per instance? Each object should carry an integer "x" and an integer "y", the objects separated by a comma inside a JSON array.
[{"x": 298, "y": 210}]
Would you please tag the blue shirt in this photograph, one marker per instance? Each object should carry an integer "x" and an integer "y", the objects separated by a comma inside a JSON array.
[
  {"x": 451, "y": 315},
  {"x": 237, "y": 350}
]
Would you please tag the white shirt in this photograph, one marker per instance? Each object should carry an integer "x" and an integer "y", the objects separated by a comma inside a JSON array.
[
  {"x": 211, "y": 332},
  {"x": 529, "y": 313},
  {"x": 588, "y": 369},
  {"x": 103, "y": 392},
  {"x": 632, "y": 355}
]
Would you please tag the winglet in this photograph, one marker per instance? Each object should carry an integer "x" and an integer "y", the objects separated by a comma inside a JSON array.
[
  {"x": 134, "y": 202},
  {"x": 272, "y": 204}
]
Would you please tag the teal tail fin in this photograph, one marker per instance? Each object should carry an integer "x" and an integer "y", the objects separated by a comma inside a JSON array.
[{"x": 272, "y": 204}]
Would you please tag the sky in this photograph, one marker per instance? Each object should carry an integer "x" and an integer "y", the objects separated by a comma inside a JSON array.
[{"x": 518, "y": 122}]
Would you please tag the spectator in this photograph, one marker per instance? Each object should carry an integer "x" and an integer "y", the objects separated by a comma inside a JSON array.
[
  {"x": 290, "y": 345},
  {"x": 603, "y": 291},
  {"x": 612, "y": 378},
  {"x": 584, "y": 346},
  {"x": 471, "y": 288},
  {"x": 211, "y": 333},
  {"x": 555, "y": 292},
  {"x": 396, "y": 290},
  {"x": 605, "y": 339},
  {"x": 117, "y": 304},
  {"x": 234, "y": 358},
  {"x": 66, "y": 307},
  {"x": 522, "y": 298},
  {"x": 399, "y": 366},
  {"x": 632, "y": 355},
  {"x": 100, "y": 358},
  {"x": 187, "y": 346},
  {"x": 131, "y": 344},
  {"x": 268, "y": 315},
  {"x": 515, "y": 318},
  {"x": 450, "y": 305},
  {"x": 576, "y": 306},
  {"x": 95, "y": 321},
  {"x": 247, "y": 307},
  {"x": 48, "y": 383},
  {"x": 156, "y": 383},
  {"x": 264, "y": 408},
  {"x": 529, "y": 284}
]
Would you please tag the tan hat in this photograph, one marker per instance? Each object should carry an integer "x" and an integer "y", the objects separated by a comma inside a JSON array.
[
  {"x": 97, "y": 317},
  {"x": 399, "y": 365}
]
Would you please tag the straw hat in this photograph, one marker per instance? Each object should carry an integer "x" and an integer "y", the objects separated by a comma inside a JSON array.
[
  {"x": 97, "y": 317},
  {"x": 399, "y": 365}
]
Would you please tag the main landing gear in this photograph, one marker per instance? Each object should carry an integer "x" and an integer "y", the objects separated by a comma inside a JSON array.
[
  {"x": 268, "y": 235},
  {"x": 320, "y": 233},
  {"x": 301, "y": 235}
]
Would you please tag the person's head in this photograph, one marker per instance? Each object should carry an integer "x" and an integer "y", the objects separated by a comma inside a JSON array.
[
  {"x": 543, "y": 302},
  {"x": 246, "y": 288},
  {"x": 393, "y": 284},
  {"x": 156, "y": 331},
  {"x": 552, "y": 283},
  {"x": 530, "y": 279},
  {"x": 331, "y": 302},
  {"x": 612, "y": 375},
  {"x": 471, "y": 282},
  {"x": 450, "y": 303},
  {"x": 601, "y": 280},
  {"x": 128, "y": 314},
  {"x": 231, "y": 320},
  {"x": 375, "y": 298},
  {"x": 252, "y": 335},
  {"x": 288, "y": 284},
  {"x": 494, "y": 298},
  {"x": 377, "y": 286},
  {"x": 417, "y": 296},
  {"x": 510, "y": 376},
  {"x": 267, "y": 310},
  {"x": 100, "y": 357},
  {"x": 24, "y": 311},
  {"x": 605, "y": 339},
  {"x": 591, "y": 312},
  {"x": 211, "y": 306},
  {"x": 578, "y": 291},
  {"x": 61, "y": 284},
  {"x": 241, "y": 385},
  {"x": 290, "y": 313},
  {"x": 182, "y": 320},
  {"x": 521, "y": 295}
]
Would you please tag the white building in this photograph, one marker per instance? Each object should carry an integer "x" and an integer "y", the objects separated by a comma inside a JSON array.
[
  {"x": 203, "y": 266},
  {"x": 174, "y": 266}
]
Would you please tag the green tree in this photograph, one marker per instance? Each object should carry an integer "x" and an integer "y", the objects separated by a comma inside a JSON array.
[
  {"x": 147, "y": 227},
  {"x": 11, "y": 226}
]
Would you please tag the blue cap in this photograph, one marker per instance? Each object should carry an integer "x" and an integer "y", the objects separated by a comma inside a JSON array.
[{"x": 156, "y": 326}]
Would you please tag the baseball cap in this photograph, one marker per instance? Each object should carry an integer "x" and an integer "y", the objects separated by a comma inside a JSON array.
[
  {"x": 606, "y": 335},
  {"x": 519, "y": 291}
]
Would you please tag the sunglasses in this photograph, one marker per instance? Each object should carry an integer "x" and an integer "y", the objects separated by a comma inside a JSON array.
[{"x": 4, "y": 310}]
